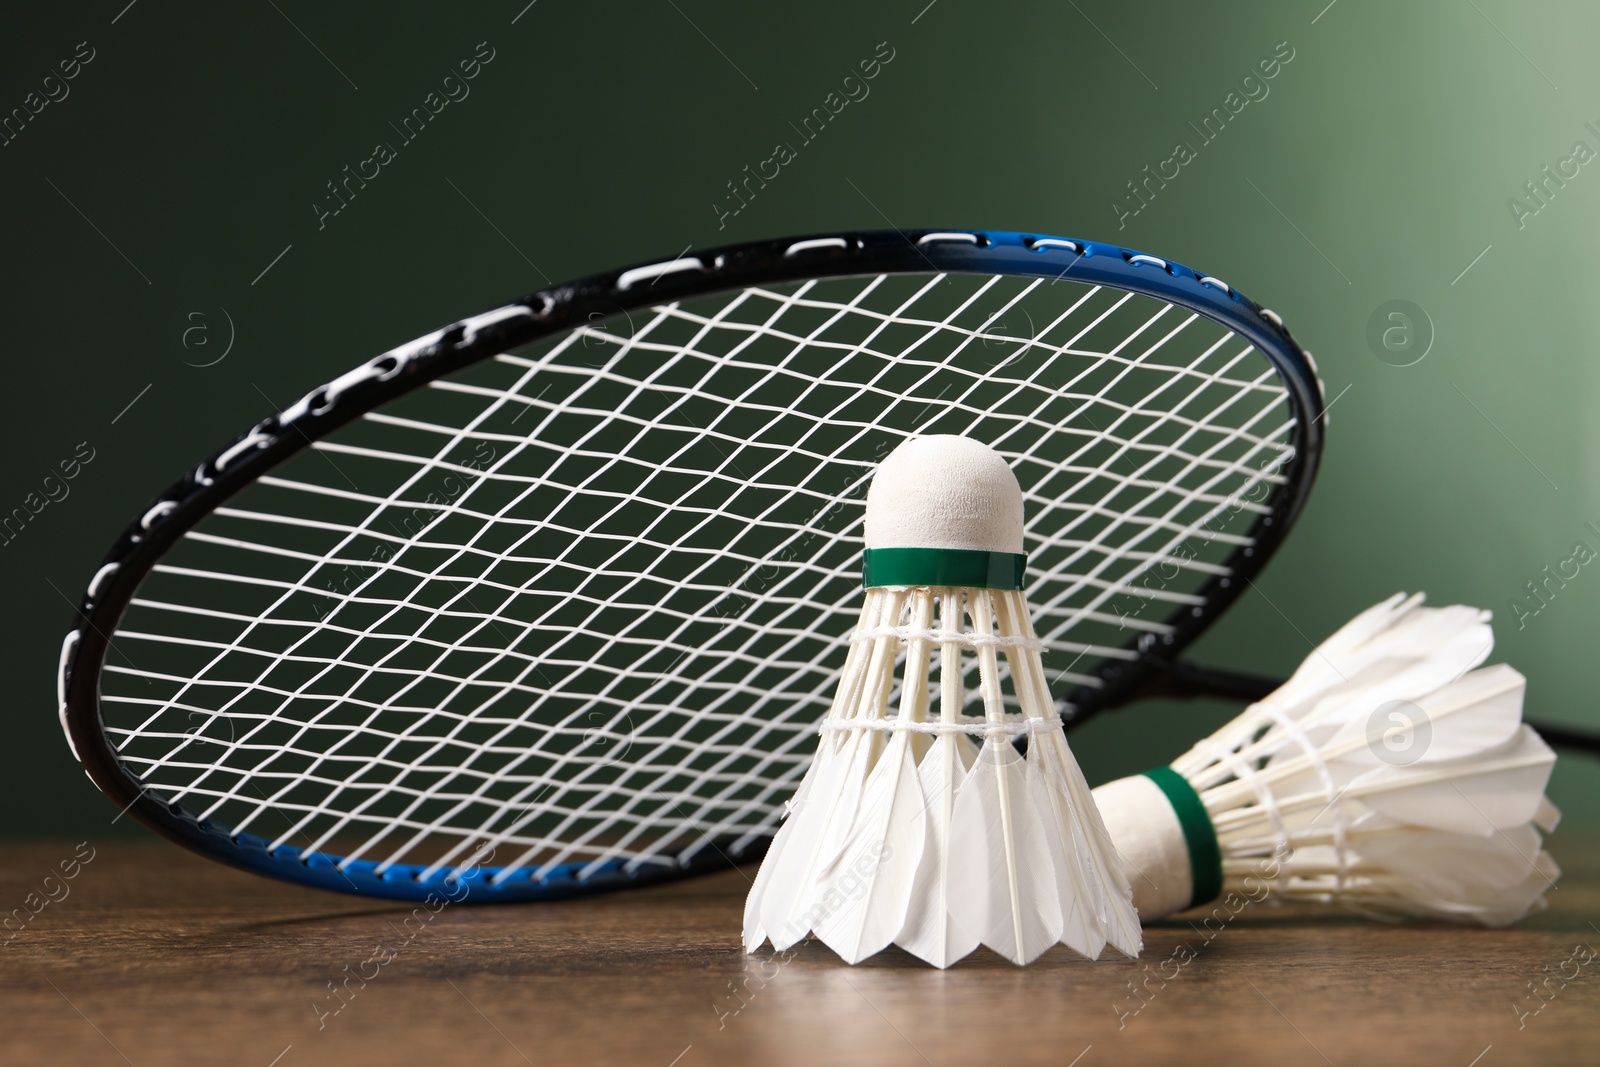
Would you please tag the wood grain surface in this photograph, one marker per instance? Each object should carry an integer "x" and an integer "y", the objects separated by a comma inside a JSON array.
[{"x": 150, "y": 956}]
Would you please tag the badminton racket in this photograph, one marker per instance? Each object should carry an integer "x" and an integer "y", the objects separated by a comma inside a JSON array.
[{"x": 551, "y": 601}]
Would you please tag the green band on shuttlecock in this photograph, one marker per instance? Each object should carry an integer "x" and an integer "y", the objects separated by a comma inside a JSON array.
[
  {"x": 966, "y": 567},
  {"x": 1205, "y": 854}
]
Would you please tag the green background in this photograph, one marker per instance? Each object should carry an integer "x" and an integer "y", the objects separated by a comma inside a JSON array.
[{"x": 192, "y": 148}]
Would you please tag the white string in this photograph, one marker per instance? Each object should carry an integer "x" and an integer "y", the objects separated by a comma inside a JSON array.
[
  {"x": 575, "y": 600},
  {"x": 1243, "y": 771},
  {"x": 948, "y": 637},
  {"x": 977, "y": 725},
  {"x": 1313, "y": 753}
]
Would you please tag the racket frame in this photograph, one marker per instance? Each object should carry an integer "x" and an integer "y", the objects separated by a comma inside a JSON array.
[{"x": 564, "y": 307}]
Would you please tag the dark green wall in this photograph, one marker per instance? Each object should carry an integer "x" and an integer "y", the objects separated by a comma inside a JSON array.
[{"x": 191, "y": 150}]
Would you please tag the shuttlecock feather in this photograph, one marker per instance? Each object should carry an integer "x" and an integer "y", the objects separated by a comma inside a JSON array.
[
  {"x": 938, "y": 834},
  {"x": 929, "y": 932},
  {"x": 1387, "y": 775}
]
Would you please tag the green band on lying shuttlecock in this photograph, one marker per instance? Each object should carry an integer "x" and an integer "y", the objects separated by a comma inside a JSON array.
[
  {"x": 966, "y": 567},
  {"x": 1205, "y": 854}
]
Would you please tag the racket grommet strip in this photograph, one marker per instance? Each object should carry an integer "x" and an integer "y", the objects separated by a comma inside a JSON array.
[
  {"x": 156, "y": 514},
  {"x": 256, "y": 438},
  {"x": 977, "y": 240},
  {"x": 630, "y": 278},
  {"x": 97, "y": 583},
  {"x": 1046, "y": 244},
  {"x": 69, "y": 650},
  {"x": 816, "y": 244},
  {"x": 1139, "y": 259}
]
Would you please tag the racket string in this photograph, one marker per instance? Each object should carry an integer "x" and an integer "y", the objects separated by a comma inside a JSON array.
[{"x": 614, "y": 638}]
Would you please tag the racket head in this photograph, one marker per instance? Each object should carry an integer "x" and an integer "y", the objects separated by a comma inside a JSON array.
[{"x": 1258, "y": 510}]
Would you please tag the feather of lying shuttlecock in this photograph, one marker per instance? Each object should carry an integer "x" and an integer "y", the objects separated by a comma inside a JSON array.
[
  {"x": 933, "y": 842},
  {"x": 1493, "y": 880},
  {"x": 1393, "y": 651},
  {"x": 1303, "y": 794}
]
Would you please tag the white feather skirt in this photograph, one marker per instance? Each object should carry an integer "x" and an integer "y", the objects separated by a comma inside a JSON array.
[{"x": 937, "y": 834}]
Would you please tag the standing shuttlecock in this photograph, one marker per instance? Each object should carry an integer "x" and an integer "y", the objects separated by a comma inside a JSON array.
[
  {"x": 905, "y": 828},
  {"x": 1387, "y": 775}
]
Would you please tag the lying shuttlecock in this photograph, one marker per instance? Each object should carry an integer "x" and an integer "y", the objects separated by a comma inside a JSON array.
[
  {"x": 904, "y": 828},
  {"x": 1386, "y": 775}
]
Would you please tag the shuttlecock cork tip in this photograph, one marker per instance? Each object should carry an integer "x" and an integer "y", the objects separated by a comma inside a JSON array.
[{"x": 944, "y": 491}]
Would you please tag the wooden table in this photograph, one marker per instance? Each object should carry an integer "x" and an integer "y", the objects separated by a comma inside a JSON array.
[{"x": 156, "y": 957}]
